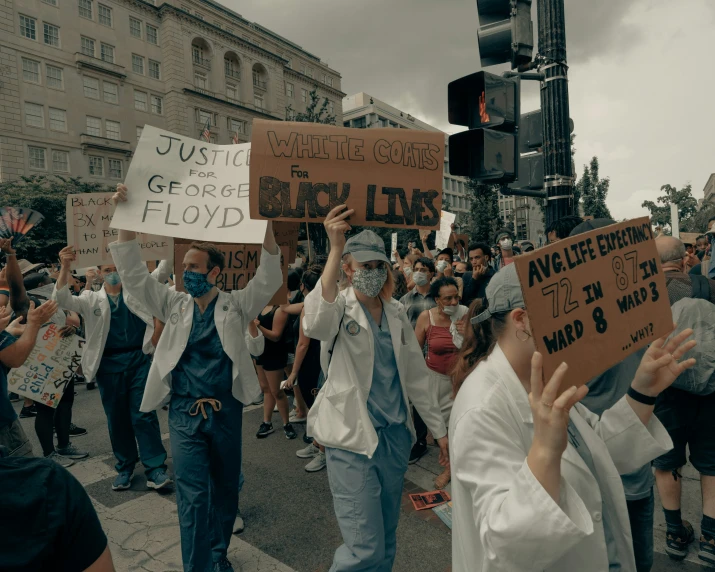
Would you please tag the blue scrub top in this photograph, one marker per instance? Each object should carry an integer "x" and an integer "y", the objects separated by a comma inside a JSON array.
[
  {"x": 7, "y": 413},
  {"x": 126, "y": 330},
  {"x": 204, "y": 369},
  {"x": 385, "y": 404}
]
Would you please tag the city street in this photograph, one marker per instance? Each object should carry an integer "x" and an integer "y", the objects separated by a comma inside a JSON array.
[{"x": 289, "y": 517}]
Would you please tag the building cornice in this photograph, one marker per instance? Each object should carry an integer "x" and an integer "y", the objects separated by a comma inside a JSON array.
[
  {"x": 290, "y": 72},
  {"x": 215, "y": 99}
]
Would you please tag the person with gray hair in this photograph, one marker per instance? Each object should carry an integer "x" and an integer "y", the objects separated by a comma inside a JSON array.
[{"x": 681, "y": 284}]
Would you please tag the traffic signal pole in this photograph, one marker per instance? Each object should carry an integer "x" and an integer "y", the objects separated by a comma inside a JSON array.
[{"x": 558, "y": 169}]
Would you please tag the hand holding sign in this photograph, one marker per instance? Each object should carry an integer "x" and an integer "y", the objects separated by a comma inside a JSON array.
[{"x": 336, "y": 226}]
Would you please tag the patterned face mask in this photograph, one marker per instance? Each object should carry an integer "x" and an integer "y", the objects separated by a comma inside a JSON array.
[
  {"x": 112, "y": 278},
  {"x": 370, "y": 281},
  {"x": 196, "y": 283}
]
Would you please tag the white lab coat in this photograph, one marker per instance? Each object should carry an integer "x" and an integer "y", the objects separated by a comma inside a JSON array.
[
  {"x": 339, "y": 416},
  {"x": 176, "y": 310},
  {"x": 503, "y": 519}
]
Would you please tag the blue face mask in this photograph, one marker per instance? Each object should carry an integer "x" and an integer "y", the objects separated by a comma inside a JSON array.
[
  {"x": 112, "y": 278},
  {"x": 196, "y": 283}
]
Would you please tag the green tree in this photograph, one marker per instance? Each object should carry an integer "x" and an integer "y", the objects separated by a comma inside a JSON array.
[
  {"x": 683, "y": 198},
  {"x": 484, "y": 217},
  {"x": 315, "y": 112},
  {"x": 593, "y": 191},
  {"x": 699, "y": 221},
  {"x": 47, "y": 195}
]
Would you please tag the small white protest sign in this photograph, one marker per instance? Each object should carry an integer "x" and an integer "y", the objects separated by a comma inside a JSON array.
[
  {"x": 187, "y": 188},
  {"x": 445, "y": 230},
  {"x": 393, "y": 246}
]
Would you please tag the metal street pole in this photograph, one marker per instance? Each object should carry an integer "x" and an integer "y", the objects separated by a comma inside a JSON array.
[{"x": 558, "y": 169}]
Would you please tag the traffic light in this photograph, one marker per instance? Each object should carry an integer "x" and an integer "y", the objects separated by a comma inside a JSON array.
[
  {"x": 489, "y": 106},
  {"x": 506, "y": 32}
]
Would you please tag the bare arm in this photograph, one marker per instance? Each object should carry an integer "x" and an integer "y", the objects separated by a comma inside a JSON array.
[
  {"x": 103, "y": 563},
  {"x": 336, "y": 226},
  {"x": 279, "y": 323},
  {"x": 424, "y": 234},
  {"x": 421, "y": 328},
  {"x": 19, "y": 301},
  {"x": 16, "y": 354},
  {"x": 269, "y": 241},
  {"x": 293, "y": 309}
]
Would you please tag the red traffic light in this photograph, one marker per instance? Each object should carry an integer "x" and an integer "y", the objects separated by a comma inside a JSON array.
[{"x": 483, "y": 100}]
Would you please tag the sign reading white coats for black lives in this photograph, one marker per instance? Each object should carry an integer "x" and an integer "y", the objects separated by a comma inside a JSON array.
[{"x": 187, "y": 188}]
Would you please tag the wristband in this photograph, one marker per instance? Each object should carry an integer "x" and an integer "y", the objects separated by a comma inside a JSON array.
[
  {"x": 10, "y": 254},
  {"x": 640, "y": 397}
]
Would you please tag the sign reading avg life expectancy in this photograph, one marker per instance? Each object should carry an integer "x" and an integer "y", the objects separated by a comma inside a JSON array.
[
  {"x": 89, "y": 216},
  {"x": 186, "y": 188},
  {"x": 391, "y": 177},
  {"x": 595, "y": 298}
]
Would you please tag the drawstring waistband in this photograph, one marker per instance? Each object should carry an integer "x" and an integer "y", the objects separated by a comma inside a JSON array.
[{"x": 199, "y": 406}]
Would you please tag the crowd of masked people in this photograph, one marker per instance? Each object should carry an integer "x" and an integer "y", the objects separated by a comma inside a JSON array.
[{"x": 381, "y": 358}]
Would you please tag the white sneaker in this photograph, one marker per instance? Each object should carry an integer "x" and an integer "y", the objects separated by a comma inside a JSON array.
[
  {"x": 308, "y": 453},
  {"x": 238, "y": 525},
  {"x": 60, "y": 460},
  {"x": 317, "y": 464},
  {"x": 295, "y": 418}
]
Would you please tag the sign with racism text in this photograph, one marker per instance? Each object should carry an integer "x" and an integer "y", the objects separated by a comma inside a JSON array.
[
  {"x": 391, "y": 177},
  {"x": 89, "y": 218},
  {"x": 241, "y": 263},
  {"x": 186, "y": 188},
  {"x": 595, "y": 298},
  {"x": 49, "y": 367}
]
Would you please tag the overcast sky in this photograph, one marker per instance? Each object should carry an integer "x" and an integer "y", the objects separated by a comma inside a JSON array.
[{"x": 641, "y": 84}]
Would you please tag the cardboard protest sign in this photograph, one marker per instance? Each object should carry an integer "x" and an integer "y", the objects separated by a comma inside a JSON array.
[
  {"x": 286, "y": 234},
  {"x": 242, "y": 261},
  {"x": 49, "y": 367},
  {"x": 441, "y": 240},
  {"x": 89, "y": 216},
  {"x": 595, "y": 298},
  {"x": 391, "y": 177},
  {"x": 689, "y": 237},
  {"x": 462, "y": 238},
  {"x": 185, "y": 188}
]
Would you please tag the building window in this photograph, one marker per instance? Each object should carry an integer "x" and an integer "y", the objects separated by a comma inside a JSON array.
[
  {"x": 60, "y": 161},
  {"x": 140, "y": 101},
  {"x": 54, "y": 77},
  {"x": 139, "y": 132},
  {"x": 304, "y": 95},
  {"x": 107, "y": 53},
  {"x": 331, "y": 108},
  {"x": 135, "y": 27},
  {"x": 289, "y": 64},
  {"x": 154, "y": 69},
  {"x": 115, "y": 168},
  {"x": 324, "y": 78},
  {"x": 330, "y": 81},
  {"x": 96, "y": 166},
  {"x": 34, "y": 115},
  {"x": 85, "y": 8},
  {"x": 37, "y": 158},
  {"x": 258, "y": 101},
  {"x": 58, "y": 119},
  {"x": 290, "y": 89},
  {"x": 30, "y": 70},
  {"x": 200, "y": 80},
  {"x": 310, "y": 73},
  {"x": 232, "y": 68},
  {"x": 302, "y": 69},
  {"x": 94, "y": 126},
  {"x": 105, "y": 15},
  {"x": 236, "y": 126},
  {"x": 157, "y": 104},
  {"x": 91, "y": 87},
  {"x": 138, "y": 64},
  {"x": 52, "y": 35},
  {"x": 152, "y": 35},
  {"x": 87, "y": 46},
  {"x": 111, "y": 92},
  {"x": 360, "y": 123},
  {"x": 50, "y": 2},
  {"x": 111, "y": 130},
  {"x": 28, "y": 27},
  {"x": 231, "y": 92},
  {"x": 204, "y": 116}
]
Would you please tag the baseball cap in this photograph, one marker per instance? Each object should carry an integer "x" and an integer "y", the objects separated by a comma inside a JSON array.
[
  {"x": 501, "y": 233},
  {"x": 448, "y": 251},
  {"x": 365, "y": 247},
  {"x": 592, "y": 224},
  {"x": 503, "y": 294}
]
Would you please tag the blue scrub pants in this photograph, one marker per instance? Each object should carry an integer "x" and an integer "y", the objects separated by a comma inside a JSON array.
[
  {"x": 121, "y": 395},
  {"x": 207, "y": 468},
  {"x": 367, "y": 495}
]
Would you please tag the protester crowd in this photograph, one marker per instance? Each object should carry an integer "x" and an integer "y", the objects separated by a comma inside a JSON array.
[{"x": 384, "y": 357}]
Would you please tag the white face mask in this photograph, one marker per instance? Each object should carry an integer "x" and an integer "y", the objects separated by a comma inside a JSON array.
[
  {"x": 450, "y": 310},
  {"x": 420, "y": 278},
  {"x": 506, "y": 243},
  {"x": 408, "y": 271},
  {"x": 442, "y": 265}
]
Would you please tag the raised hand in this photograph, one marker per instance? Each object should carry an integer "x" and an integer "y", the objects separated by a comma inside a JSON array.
[
  {"x": 42, "y": 314},
  {"x": 5, "y": 317},
  {"x": 660, "y": 365},
  {"x": 336, "y": 226},
  {"x": 67, "y": 256},
  {"x": 6, "y": 246},
  {"x": 120, "y": 196}
]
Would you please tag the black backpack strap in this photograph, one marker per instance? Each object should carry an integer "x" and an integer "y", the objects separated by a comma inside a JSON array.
[
  {"x": 330, "y": 351},
  {"x": 701, "y": 287}
]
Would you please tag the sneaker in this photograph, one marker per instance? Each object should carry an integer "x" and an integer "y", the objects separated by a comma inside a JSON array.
[
  {"x": 122, "y": 482},
  {"x": 27, "y": 412},
  {"x": 295, "y": 418},
  {"x": 223, "y": 565},
  {"x": 91, "y": 385},
  {"x": 77, "y": 431},
  {"x": 264, "y": 430},
  {"x": 72, "y": 452},
  {"x": 418, "y": 451},
  {"x": 60, "y": 460},
  {"x": 289, "y": 431},
  {"x": 79, "y": 380},
  {"x": 238, "y": 524},
  {"x": 317, "y": 464},
  {"x": 307, "y": 439},
  {"x": 676, "y": 544},
  {"x": 259, "y": 401},
  {"x": 308, "y": 453},
  {"x": 158, "y": 480},
  {"x": 707, "y": 550},
  {"x": 14, "y": 397}
]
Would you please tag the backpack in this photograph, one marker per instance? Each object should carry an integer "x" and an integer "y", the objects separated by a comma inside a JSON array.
[
  {"x": 701, "y": 287},
  {"x": 699, "y": 315}
]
